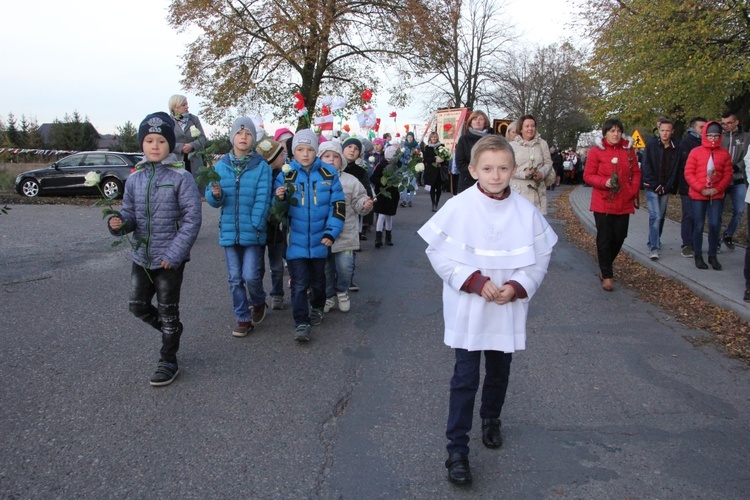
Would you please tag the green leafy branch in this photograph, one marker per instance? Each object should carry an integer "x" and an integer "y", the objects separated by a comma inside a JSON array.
[
  {"x": 93, "y": 179},
  {"x": 280, "y": 207}
]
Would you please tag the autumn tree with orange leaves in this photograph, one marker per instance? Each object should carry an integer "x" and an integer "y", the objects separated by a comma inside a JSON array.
[{"x": 252, "y": 54}]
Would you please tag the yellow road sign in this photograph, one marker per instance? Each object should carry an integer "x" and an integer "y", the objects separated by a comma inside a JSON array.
[{"x": 638, "y": 140}]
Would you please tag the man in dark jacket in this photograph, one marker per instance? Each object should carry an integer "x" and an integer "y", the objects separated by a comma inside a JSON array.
[
  {"x": 735, "y": 141},
  {"x": 691, "y": 140},
  {"x": 660, "y": 162}
]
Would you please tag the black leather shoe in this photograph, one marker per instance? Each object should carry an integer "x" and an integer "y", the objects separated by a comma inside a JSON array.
[
  {"x": 700, "y": 263},
  {"x": 714, "y": 263},
  {"x": 491, "y": 436},
  {"x": 459, "y": 471}
]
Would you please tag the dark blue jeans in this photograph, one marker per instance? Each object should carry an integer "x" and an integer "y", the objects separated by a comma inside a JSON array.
[
  {"x": 307, "y": 273},
  {"x": 276, "y": 253},
  {"x": 165, "y": 316},
  {"x": 686, "y": 224},
  {"x": 713, "y": 209},
  {"x": 464, "y": 385}
]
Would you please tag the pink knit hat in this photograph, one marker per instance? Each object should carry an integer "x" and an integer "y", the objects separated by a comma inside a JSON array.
[{"x": 280, "y": 132}]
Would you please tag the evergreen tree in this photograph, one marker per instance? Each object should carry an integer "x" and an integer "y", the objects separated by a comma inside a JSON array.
[
  {"x": 74, "y": 134},
  {"x": 12, "y": 134},
  {"x": 127, "y": 138}
]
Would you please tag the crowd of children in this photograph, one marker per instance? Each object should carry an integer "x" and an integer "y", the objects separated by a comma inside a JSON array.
[{"x": 304, "y": 201}]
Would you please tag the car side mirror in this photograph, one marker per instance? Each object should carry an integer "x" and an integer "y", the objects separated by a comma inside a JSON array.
[{"x": 55, "y": 166}]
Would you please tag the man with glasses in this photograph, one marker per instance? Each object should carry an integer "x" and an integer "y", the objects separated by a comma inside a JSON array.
[{"x": 735, "y": 141}]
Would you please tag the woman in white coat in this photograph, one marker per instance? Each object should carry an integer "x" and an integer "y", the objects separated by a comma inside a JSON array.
[{"x": 534, "y": 163}]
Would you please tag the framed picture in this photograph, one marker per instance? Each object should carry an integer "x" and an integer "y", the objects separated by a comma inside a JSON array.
[{"x": 450, "y": 122}]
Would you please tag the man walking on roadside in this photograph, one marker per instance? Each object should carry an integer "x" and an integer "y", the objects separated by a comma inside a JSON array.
[
  {"x": 735, "y": 141},
  {"x": 660, "y": 161}
]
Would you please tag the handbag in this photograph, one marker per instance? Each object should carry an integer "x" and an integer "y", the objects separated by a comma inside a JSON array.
[{"x": 444, "y": 175}]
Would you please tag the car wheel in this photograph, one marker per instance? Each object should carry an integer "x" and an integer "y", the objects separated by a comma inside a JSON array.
[
  {"x": 112, "y": 188},
  {"x": 29, "y": 187}
]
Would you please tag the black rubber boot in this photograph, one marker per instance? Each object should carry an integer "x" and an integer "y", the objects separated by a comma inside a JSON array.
[
  {"x": 388, "y": 240},
  {"x": 378, "y": 239}
]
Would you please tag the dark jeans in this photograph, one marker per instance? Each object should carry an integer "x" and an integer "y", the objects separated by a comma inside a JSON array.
[
  {"x": 713, "y": 209},
  {"x": 276, "y": 253},
  {"x": 436, "y": 190},
  {"x": 307, "y": 273},
  {"x": 464, "y": 385},
  {"x": 687, "y": 223},
  {"x": 165, "y": 316},
  {"x": 611, "y": 231},
  {"x": 747, "y": 252}
]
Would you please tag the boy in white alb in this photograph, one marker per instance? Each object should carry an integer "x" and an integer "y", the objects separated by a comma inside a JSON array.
[{"x": 491, "y": 248}]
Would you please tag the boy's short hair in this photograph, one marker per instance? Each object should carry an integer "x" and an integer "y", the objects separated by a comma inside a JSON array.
[
  {"x": 610, "y": 124},
  {"x": 696, "y": 119},
  {"x": 491, "y": 143},
  {"x": 157, "y": 123},
  {"x": 664, "y": 120}
]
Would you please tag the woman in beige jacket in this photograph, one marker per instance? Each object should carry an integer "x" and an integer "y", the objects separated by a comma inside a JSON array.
[{"x": 534, "y": 163}]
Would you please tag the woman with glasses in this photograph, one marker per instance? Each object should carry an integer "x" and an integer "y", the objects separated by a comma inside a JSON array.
[{"x": 708, "y": 172}]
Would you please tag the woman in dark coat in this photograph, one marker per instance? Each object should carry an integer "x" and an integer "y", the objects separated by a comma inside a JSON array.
[
  {"x": 479, "y": 126},
  {"x": 432, "y": 167},
  {"x": 386, "y": 199}
]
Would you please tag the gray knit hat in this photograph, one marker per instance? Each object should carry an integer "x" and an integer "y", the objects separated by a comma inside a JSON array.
[
  {"x": 306, "y": 137},
  {"x": 246, "y": 123}
]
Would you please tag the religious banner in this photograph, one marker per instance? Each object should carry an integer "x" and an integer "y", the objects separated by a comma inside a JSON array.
[{"x": 449, "y": 125}]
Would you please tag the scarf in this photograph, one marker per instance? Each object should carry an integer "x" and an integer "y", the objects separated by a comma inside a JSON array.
[
  {"x": 480, "y": 133},
  {"x": 434, "y": 146},
  {"x": 182, "y": 120},
  {"x": 239, "y": 164}
]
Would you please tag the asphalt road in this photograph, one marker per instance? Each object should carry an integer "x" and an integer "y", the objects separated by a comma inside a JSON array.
[{"x": 612, "y": 399}]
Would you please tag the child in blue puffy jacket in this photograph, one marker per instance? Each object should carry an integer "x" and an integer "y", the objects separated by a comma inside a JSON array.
[
  {"x": 317, "y": 210},
  {"x": 244, "y": 196}
]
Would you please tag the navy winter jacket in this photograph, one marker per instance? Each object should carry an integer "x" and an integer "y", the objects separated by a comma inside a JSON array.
[
  {"x": 245, "y": 201},
  {"x": 319, "y": 209}
]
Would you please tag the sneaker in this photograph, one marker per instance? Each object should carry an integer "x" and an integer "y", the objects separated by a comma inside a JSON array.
[
  {"x": 746, "y": 297},
  {"x": 316, "y": 316},
  {"x": 302, "y": 333},
  {"x": 728, "y": 242},
  {"x": 242, "y": 329},
  {"x": 403, "y": 203},
  {"x": 259, "y": 312},
  {"x": 330, "y": 304},
  {"x": 654, "y": 254},
  {"x": 687, "y": 251},
  {"x": 344, "y": 303},
  {"x": 277, "y": 303},
  {"x": 165, "y": 374},
  {"x": 353, "y": 287},
  {"x": 409, "y": 203}
]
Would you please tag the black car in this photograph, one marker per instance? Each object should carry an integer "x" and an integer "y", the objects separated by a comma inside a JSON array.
[{"x": 66, "y": 176}]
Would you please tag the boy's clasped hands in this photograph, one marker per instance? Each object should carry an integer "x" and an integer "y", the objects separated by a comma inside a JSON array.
[{"x": 501, "y": 295}]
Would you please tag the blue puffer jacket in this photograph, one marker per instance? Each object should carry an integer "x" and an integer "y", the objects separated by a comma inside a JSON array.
[
  {"x": 245, "y": 201},
  {"x": 319, "y": 211},
  {"x": 161, "y": 206}
]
